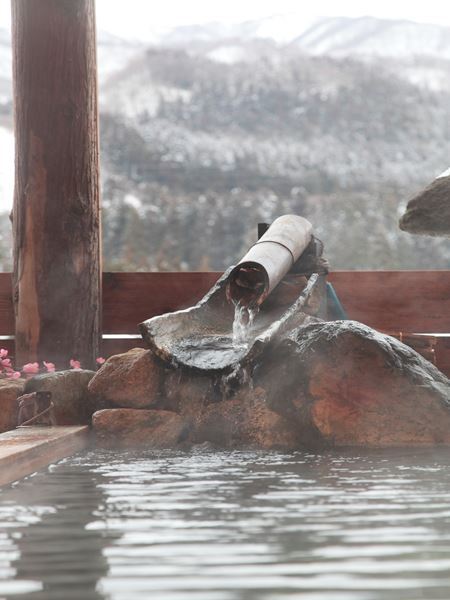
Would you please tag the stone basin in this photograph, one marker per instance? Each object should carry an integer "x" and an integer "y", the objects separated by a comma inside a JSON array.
[{"x": 201, "y": 337}]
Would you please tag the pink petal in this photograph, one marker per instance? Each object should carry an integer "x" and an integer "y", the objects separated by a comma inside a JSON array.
[
  {"x": 49, "y": 366},
  {"x": 100, "y": 360},
  {"x": 3, "y": 353},
  {"x": 13, "y": 375},
  {"x": 6, "y": 362},
  {"x": 75, "y": 364},
  {"x": 31, "y": 368}
]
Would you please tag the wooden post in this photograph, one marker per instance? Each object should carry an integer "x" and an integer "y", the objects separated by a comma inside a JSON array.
[{"x": 57, "y": 264}]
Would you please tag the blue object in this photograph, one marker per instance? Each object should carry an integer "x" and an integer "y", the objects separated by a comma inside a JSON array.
[{"x": 336, "y": 311}]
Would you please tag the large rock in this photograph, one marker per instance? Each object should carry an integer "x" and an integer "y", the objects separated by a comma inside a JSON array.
[
  {"x": 131, "y": 379},
  {"x": 10, "y": 390},
  {"x": 74, "y": 405},
  {"x": 326, "y": 384},
  {"x": 428, "y": 213},
  {"x": 347, "y": 385},
  {"x": 245, "y": 422},
  {"x": 127, "y": 427}
]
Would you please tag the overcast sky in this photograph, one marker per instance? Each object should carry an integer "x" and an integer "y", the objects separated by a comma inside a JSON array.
[{"x": 138, "y": 18}]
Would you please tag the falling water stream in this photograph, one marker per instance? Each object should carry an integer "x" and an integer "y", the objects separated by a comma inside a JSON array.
[
  {"x": 244, "y": 317},
  {"x": 212, "y": 525}
]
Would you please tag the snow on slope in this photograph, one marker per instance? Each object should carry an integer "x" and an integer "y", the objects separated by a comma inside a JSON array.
[
  {"x": 114, "y": 54},
  {"x": 342, "y": 36},
  {"x": 279, "y": 28}
]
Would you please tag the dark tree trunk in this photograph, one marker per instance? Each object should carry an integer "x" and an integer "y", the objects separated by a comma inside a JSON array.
[{"x": 57, "y": 264}]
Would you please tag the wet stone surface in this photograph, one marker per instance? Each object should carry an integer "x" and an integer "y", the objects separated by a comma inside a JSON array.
[
  {"x": 73, "y": 404},
  {"x": 321, "y": 385}
]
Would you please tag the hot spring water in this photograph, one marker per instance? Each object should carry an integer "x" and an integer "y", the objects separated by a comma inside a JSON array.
[
  {"x": 244, "y": 317},
  {"x": 360, "y": 525}
]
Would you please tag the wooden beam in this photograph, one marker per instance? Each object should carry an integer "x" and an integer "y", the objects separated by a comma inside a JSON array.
[
  {"x": 409, "y": 301},
  {"x": 56, "y": 287},
  {"x": 28, "y": 449},
  {"x": 129, "y": 298}
]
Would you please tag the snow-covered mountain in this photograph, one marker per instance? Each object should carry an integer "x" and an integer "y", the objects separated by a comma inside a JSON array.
[
  {"x": 337, "y": 36},
  {"x": 212, "y": 128},
  {"x": 279, "y": 28},
  {"x": 341, "y": 36}
]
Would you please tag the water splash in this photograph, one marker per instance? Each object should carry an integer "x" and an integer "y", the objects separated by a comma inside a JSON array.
[{"x": 244, "y": 317}]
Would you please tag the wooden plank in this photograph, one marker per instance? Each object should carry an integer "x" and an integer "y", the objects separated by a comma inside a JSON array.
[
  {"x": 443, "y": 355},
  {"x": 28, "y": 449},
  {"x": 130, "y": 298},
  {"x": 412, "y": 301}
]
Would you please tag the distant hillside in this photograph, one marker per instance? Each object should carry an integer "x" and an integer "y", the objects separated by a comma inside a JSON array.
[
  {"x": 201, "y": 151},
  {"x": 218, "y": 128},
  {"x": 337, "y": 36}
]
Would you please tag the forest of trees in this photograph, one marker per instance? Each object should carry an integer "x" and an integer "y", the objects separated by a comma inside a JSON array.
[{"x": 196, "y": 152}]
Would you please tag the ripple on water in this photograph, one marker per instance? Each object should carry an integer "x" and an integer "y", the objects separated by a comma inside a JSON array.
[{"x": 230, "y": 526}]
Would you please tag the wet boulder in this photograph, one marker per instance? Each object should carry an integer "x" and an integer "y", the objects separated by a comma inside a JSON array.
[
  {"x": 428, "y": 213},
  {"x": 245, "y": 421},
  {"x": 127, "y": 427},
  {"x": 73, "y": 403},
  {"x": 10, "y": 390},
  {"x": 129, "y": 380},
  {"x": 347, "y": 385}
]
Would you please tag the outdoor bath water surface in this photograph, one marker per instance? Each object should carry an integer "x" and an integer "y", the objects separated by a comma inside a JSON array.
[{"x": 230, "y": 526}]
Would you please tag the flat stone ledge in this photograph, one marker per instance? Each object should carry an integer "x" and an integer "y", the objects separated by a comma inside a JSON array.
[{"x": 28, "y": 449}]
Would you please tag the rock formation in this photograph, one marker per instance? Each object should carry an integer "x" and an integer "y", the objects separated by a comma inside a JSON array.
[
  {"x": 428, "y": 213},
  {"x": 325, "y": 384}
]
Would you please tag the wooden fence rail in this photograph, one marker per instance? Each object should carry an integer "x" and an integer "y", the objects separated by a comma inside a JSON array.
[{"x": 391, "y": 301}]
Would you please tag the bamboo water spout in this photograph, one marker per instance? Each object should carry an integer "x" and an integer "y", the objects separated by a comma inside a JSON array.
[
  {"x": 203, "y": 337},
  {"x": 269, "y": 260}
]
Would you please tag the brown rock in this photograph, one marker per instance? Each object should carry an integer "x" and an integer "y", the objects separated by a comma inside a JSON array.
[
  {"x": 10, "y": 390},
  {"x": 127, "y": 427},
  {"x": 129, "y": 380},
  {"x": 245, "y": 422},
  {"x": 72, "y": 401},
  {"x": 356, "y": 387}
]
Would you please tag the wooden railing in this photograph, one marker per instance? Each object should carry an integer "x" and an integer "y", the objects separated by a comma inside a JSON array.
[{"x": 390, "y": 301}]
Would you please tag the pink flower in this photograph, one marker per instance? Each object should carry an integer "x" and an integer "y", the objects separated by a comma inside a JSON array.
[
  {"x": 49, "y": 366},
  {"x": 3, "y": 353},
  {"x": 13, "y": 375},
  {"x": 100, "y": 360},
  {"x": 75, "y": 364},
  {"x": 31, "y": 368},
  {"x": 6, "y": 363}
]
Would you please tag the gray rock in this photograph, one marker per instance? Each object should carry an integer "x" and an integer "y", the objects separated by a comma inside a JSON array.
[
  {"x": 10, "y": 389},
  {"x": 74, "y": 405}
]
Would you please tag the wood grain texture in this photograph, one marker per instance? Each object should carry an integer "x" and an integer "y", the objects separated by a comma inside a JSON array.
[
  {"x": 26, "y": 450},
  {"x": 6, "y": 305},
  {"x": 130, "y": 298},
  {"x": 393, "y": 301},
  {"x": 410, "y": 301},
  {"x": 56, "y": 206}
]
